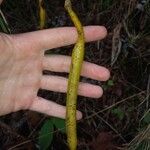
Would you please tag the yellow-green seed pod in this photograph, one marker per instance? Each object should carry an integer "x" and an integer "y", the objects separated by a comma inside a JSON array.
[
  {"x": 42, "y": 15},
  {"x": 74, "y": 76}
]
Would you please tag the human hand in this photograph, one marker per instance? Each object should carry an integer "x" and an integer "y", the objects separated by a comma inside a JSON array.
[
  {"x": 22, "y": 61},
  {"x": 1, "y": 1}
]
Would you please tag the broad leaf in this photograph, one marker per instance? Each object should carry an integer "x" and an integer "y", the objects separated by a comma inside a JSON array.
[
  {"x": 119, "y": 113},
  {"x": 60, "y": 124},
  {"x": 46, "y": 135},
  {"x": 147, "y": 118}
]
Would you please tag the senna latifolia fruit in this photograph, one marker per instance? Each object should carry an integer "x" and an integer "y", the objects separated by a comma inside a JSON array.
[
  {"x": 42, "y": 15},
  {"x": 74, "y": 76}
]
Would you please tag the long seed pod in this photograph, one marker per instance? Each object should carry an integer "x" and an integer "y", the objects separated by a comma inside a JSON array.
[
  {"x": 74, "y": 76},
  {"x": 42, "y": 15}
]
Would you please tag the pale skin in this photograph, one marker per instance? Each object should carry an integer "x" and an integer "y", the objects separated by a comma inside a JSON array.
[{"x": 22, "y": 61}]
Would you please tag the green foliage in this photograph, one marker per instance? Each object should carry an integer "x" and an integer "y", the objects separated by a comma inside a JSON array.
[
  {"x": 147, "y": 118},
  {"x": 46, "y": 132},
  {"x": 59, "y": 124},
  {"x": 118, "y": 112},
  {"x": 144, "y": 145},
  {"x": 3, "y": 24},
  {"x": 106, "y": 4},
  {"x": 141, "y": 140},
  {"x": 108, "y": 84},
  {"x": 46, "y": 135}
]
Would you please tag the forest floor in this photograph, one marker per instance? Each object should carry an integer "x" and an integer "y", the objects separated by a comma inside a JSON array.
[{"x": 120, "y": 119}]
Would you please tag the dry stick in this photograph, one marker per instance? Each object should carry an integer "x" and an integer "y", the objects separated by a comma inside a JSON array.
[
  {"x": 28, "y": 141},
  {"x": 115, "y": 130},
  {"x": 10, "y": 130},
  {"x": 74, "y": 76},
  {"x": 109, "y": 107}
]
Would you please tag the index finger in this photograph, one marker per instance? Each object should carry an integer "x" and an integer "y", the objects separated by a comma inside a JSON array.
[{"x": 57, "y": 37}]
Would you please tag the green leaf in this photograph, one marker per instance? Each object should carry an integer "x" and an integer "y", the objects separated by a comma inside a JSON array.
[
  {"x": 46, "y": 135},
  {"x": 60, "y": 124},
  {"x": 3, "y": 23},
  {"x": 107, "y": 85},
  {"x": 144, "y": 145},
  {"x": 147, "y": 118},
  {"x": 119, "y": 113},
  {"x": 106, "y": 4},
  {"x": 110, "y": 83}
]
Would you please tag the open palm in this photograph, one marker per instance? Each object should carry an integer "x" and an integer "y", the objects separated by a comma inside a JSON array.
[{"x": 22, "y": 61}]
